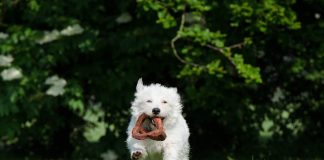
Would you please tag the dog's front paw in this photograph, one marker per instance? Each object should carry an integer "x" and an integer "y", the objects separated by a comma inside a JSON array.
[{"x": 136, "y": 155}]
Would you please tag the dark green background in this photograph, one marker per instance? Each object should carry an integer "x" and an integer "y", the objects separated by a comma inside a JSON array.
[{"x": 228, "y": 117}]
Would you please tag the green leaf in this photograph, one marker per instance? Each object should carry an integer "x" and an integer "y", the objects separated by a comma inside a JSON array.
[{"x": 250, "y": 73}]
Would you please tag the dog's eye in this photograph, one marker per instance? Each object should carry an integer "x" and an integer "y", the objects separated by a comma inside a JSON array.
[
  {"x": 149, "y": 101},
  {"x": 164, "y": 101}
]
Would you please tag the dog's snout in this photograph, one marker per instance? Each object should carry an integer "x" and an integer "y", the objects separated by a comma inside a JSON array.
[{"x": 156, "y": 111}]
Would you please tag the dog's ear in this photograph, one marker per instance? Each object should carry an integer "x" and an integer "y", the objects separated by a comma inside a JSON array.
[{"x": 139, "y": 85}]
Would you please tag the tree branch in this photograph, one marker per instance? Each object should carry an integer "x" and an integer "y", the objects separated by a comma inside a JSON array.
[
  {"x": 221, "y": 50},
  {"x": 177, "y": 37},
  {"x": 237, "y": 45}
]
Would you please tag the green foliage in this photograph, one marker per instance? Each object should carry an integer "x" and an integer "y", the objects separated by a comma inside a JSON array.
[
  {"x": 202, "y": 35},
  {"x": 247, "y": 71},
  {"x": 263, "y": 15},
  {"x": 98, "y": 127},
  {"x": 250, "y": 74}
]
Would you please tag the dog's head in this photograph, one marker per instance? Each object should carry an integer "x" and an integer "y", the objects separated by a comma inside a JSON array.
[{"x": 156, "y": 100}]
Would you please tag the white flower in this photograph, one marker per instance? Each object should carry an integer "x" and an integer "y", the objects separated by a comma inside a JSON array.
[
  {"x": 55, "y": 91},
  {"x": 317, "y": 15},
  {"x": 72, "y": 30},
  {"x": 109, "y": 155},
  {"x": 49, "y": 37},
  {"x": 55, "y": 80},
  {"x": 57, "y": 86},
  {"x": 3, "y": 35},
  {"x": 124, "y": 18},
  {"x": 5, "y": 61},
  {"x": 11, "y": 74}
]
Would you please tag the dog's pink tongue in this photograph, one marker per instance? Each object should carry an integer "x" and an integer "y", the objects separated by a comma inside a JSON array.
[{"x": 158, "y": 122}]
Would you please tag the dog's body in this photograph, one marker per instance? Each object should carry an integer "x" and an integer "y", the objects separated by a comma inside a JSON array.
[{"x": 157, "y": 100}]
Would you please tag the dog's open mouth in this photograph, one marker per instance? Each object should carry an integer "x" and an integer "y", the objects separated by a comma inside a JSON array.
[
  {"x": 157, "y": 133},
  {"x": 152, "y": 117},
  {"x": 156, "y": 117}
]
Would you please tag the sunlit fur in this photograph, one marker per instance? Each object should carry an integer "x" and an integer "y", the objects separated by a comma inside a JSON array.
[{"x": 176, "y": 145}]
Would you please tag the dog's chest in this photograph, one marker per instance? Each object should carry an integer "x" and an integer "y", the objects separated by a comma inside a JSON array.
[{"x": 152, "y": 146}]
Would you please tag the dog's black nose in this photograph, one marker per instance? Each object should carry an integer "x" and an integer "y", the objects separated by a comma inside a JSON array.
[{"x": 156, "y": 111}]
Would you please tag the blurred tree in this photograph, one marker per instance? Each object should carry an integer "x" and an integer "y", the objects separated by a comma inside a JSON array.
[{"x": 250, "y": 74}]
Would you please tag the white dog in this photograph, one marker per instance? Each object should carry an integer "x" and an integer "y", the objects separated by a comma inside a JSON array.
[{"x": 159, "y": 101}]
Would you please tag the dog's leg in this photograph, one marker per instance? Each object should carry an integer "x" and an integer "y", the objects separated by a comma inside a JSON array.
[
  {"x": 137, "y": 149},
  {"x": 136, "y": 155}
]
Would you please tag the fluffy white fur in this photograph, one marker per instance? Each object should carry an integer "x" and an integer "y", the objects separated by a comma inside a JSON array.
[{"x": 176, "y": 145}]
